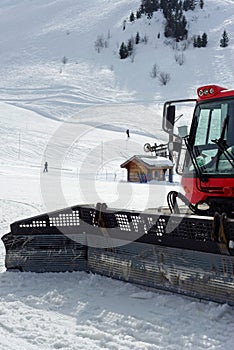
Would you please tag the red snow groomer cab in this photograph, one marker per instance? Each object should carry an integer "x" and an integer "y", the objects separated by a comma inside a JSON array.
[{"x": 208, "y": 164}]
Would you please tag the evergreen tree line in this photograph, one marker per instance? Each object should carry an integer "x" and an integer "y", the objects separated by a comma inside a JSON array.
[
  {"x": 175, "y": 26},
  {"x": 126, "y": 50},
  {"x": 200, "y": 41},
  {"x": 148, "y": 7},
  {"x": 173, "y": 12}
]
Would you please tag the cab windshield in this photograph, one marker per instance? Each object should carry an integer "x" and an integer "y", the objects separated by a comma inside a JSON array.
[{"x": 212, "y": 138}]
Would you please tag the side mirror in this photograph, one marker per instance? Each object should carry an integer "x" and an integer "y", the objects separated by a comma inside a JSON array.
[{"x": 170, "y": 117}]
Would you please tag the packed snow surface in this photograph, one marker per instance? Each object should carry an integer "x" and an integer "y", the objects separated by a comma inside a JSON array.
[{"x": 74, "y": 115}]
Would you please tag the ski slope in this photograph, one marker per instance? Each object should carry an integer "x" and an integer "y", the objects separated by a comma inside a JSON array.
[
  {"x": 79, "y": 310},
  {"x": 36, "y": 36},
  {"x": 75, "y": 115}
]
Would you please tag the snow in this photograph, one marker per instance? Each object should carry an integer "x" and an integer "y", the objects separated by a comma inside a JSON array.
[
  {"x": 74, "y": 115},
  {"x": 158, "y": 161}
]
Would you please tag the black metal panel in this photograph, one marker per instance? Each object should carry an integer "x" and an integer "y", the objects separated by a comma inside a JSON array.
[
  {"x": 169, "y": 252},
  {"x": 44, "y": 253},
  {"x": 174, "y": 230},
  {"x": 196, "y": 274},
  {"x": 46, "y": 261},
  {"x": 188, "y": 232}
]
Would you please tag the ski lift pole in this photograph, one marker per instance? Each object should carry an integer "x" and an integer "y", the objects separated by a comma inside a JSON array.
[
  {"x": 19, "y": 146},
  {"x": 170, "y": 153}
]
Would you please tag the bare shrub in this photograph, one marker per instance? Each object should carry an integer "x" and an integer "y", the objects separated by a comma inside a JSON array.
[
  {"x": 133, "y": 55},
  {"x": 171, "y": 43},
  {"x": 164, "y": 78},
  {"x": 106, "y": 44},
  {"x": 144, "y": 39},
  {"x": 99, "y": 43},
  {"x": 155, "y": 71},
  {"x": 64, "y": 60},
  {"x": 179, "y": 58},
  {"x": 185, "y": 44}
]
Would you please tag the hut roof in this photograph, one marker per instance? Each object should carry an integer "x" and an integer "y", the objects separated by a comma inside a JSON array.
[{"x": 150, "y": 161}]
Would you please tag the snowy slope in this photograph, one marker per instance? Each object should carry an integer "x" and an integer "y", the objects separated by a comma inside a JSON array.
[
  {"x": 36, "y": 35},
  {"x": 99, "y": 96}
]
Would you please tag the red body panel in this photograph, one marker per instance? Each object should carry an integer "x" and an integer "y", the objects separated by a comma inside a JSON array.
[
  {"x": 213, "y": 188},
  {"x": 208, "y": 92}
]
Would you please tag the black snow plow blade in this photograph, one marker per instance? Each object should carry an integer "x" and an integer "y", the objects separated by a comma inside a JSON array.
[{"x": 183, "y": 254}]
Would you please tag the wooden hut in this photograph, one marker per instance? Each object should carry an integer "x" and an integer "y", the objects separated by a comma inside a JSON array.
[{"x": 146, "y": 168}]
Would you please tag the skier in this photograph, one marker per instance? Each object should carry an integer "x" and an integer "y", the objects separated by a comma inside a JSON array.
[
  {"x": 45, "y": 167},
  {"x": 127, "y": 132}
]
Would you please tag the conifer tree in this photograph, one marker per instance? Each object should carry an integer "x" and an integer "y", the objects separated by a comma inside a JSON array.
[
  {"x": 142, "y": 10},
  {"x": 192, "y": 5},
  {"x": 123, "y": 51},
  {"x": 185, "y": 5},
  {"x": 201, "y": 4},
  {"x": 138, "y": 14},
  {"x": 195, "y": 41},
  {"x": 199, "y": 41},
  {"x": 150, "y": 6},
  {"x": 165, "y": 8},
  {"x": 132, "y": 17},
  {"x": 189, "y": 5},
  {"x": 130, "y": 46},
  {"x": 224, "y": 40},
  {"x": 137, "y": 39},
  {"x": 204, "y": 40}
]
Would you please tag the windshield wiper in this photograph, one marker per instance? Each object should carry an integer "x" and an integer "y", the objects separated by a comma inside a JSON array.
[
  {"x": 223, "y": 149},
  {"x": 197, "y": 168}
]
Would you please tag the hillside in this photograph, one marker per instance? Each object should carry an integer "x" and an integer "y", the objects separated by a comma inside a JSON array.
[
  {"x": 37, "y": 36},
  {"x": 64, "y": 102}
]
